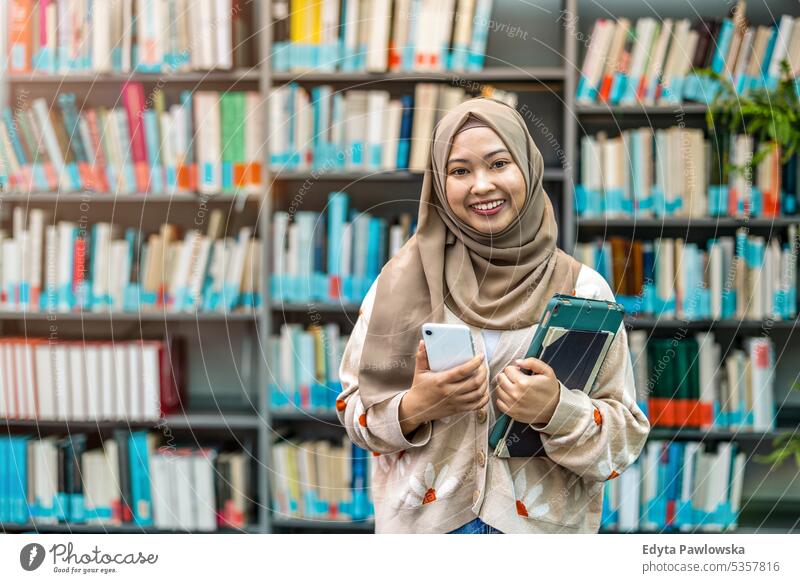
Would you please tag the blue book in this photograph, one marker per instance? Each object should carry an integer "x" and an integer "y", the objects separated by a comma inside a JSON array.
[
  {"x": 337, "y": 217},
  {"x": 141, "y": 497},
  {"x": 722, "y": 45},
  {"x": 151, "y": 125},
  {"x": 404, "y": 145},
  {"x": 19, "y": 480},
  {"x": 480, "y": 35},
  {"x": 71, "y": 119},
  {"x": 5, "y": 480}
]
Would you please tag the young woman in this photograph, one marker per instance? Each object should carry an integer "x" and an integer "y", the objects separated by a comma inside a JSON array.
[{"x": 484, "y": 255}]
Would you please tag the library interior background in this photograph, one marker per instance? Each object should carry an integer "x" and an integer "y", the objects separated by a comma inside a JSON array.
[{"x": 197, "y": 195}]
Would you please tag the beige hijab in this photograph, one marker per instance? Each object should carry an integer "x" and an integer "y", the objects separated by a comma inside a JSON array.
[{"x": 500, "y": 281}]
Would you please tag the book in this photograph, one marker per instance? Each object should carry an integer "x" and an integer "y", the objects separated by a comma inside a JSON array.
[
  {"x": 172, "y": 36},
  {"x": 741, "y": 277},
  {"x": 677, "y": 487},
  {"x": 103, "y": 268},
  {"x": 207, "y": 142},
  {"x": 324, "y": 130},
  {"x": 652, "y": 63},
  {"x": 124, "y": 479},
  {"x": 91, "y": 371},
  {"x": 678, "y": 172},
  {"x": 321, "y": 480}
]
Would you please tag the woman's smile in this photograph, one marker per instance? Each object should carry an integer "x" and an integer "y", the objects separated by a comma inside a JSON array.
[{"x": 488, "y": 208}]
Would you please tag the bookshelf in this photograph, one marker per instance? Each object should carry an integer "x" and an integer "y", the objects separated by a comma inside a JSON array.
[{"x": 232, "y": 396}]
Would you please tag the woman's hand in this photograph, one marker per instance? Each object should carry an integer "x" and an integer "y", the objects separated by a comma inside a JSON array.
[
  {"x": 434, "y": 395},
  {"x": 528, "y": 399}
]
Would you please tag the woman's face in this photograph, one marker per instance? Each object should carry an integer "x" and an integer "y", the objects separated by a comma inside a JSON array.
[{"x": 484, "y": 187}]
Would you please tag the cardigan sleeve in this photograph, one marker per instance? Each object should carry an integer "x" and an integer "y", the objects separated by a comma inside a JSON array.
[
  {"x": 598, "y": 435},
  {"x": 376, "y": 429}
]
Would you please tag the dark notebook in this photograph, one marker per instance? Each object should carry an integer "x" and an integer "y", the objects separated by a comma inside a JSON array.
[{"x": 575, "y": 357}]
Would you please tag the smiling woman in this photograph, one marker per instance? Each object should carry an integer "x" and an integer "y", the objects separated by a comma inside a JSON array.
[
  {"x": 485, "y": 256},
  {"x": 485, "y": 188}
]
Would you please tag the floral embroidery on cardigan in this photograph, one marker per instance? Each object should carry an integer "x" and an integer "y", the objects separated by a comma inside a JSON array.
[
  {"x": 526, "y": 501},
  {"x": 431, "y": 487}
]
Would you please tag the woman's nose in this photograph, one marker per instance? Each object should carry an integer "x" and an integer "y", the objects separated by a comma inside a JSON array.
[{"x": 482, "y": 183}]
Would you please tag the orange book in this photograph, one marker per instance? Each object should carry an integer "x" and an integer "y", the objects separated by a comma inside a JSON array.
[{"x": 20, "y": 36}]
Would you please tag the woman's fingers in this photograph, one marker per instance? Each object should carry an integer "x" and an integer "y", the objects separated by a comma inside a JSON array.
[{"x": 463, "y": 371}]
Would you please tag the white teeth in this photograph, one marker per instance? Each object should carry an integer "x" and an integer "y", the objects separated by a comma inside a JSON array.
[{"x": 487, "y": 206}]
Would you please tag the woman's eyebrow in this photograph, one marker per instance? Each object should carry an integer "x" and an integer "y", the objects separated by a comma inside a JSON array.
[{"x": 486, "y": 157}]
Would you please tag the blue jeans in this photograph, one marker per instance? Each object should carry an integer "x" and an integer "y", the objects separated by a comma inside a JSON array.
[{"x": 476, "y": 526}]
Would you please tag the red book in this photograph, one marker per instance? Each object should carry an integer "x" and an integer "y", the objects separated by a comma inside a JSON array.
[
  {"x": 79, "y": 263},
  {"x": 171, "y": 356},
  {"x": 133, "y": 100}
]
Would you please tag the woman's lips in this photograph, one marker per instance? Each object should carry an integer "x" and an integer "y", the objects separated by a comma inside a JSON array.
[{"x": 495, "y": 207}]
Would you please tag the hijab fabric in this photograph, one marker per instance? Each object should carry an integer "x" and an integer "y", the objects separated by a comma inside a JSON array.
[{"x": 499, "y": 281}]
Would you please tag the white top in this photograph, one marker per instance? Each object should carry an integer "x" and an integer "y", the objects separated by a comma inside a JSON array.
[{"x": 490, "y": 340}]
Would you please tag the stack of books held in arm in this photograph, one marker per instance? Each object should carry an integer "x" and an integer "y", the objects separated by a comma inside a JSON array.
[
  {"x": 380, "y": 35},
  {"x": 305, "y": 368},
  {"x": 124, "y": 479},
  {"x": 337, "y": 264},
  {"x": 321, "y": 480},
  {"x": 134, "y": 381},
  {"x": 678, "y": 172},
  {"x": 123, "y": 36},
  {"x": 208, "y": 142},
  {"x": 689, "y": 385},
  {"x": 65, "y": 266},
  {"x": 328, "y": 130},
  {"x": 677, "y": 486},
  {"x": 742, "y": 277},
  {"x": 652, "y": 61}
]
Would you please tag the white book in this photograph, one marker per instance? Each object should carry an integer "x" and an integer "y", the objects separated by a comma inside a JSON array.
[
  {"x": 183, "y": 485},
  {"x": 207, "y": 142},
  {"x": 150, "y": 381},
  {"x": 377, "y": 105},
  {"x": 18, "y": 370},
  {"x": 31, "y": 388},
  {"x": 223, "y": 49},
  {"x": 425, "y": 98},
  {"x": 400, "y": 32},
  {"x": 253, "y": 137},
  {"x": 94, "y": 392},
  {"x": 206, "y": 44},
  {"x": 351, "y": 27},
  {"x": 108, "y": 400},
  {"x": 649, "y": 463},
  {"x": 6, "y": 386},
  {"x": 41, "y": 111},
  {"x": 205, "y": 505},
  {"x": 464, "y": 21},
  {"x": 690, "y": 453},
  {"x": 133, "y": 358},
  {"x": 45, "y": 381},
  {"x": 35, "y": 240},
  {"x": 629, "y": 484},
  {"x": 781, "y": 46},
  {"x": 356, "y": 121},
  {"x": 656, "y": 65},
  {"x": 378, "y": 44},
  {"x": 233, "y": 275},
  {"x": 602, "y": 35},
  {"x": 62, "y": 377},
  {"x": 77, "y": 370},
  {"x": 121, "y": 379},
  {"x": 163, "y": 516}
]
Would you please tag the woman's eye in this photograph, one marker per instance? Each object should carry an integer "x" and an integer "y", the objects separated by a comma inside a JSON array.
[
  {"x": 500, "y": 163},
  {"x": 458, "y": 172}
]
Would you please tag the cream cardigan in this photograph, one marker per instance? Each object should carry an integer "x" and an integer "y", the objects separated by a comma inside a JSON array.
[{"x": 444, "y": 475}]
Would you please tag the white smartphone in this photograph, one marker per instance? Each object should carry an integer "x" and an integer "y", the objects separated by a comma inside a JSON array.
[{"x": 448, "y": 345}]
